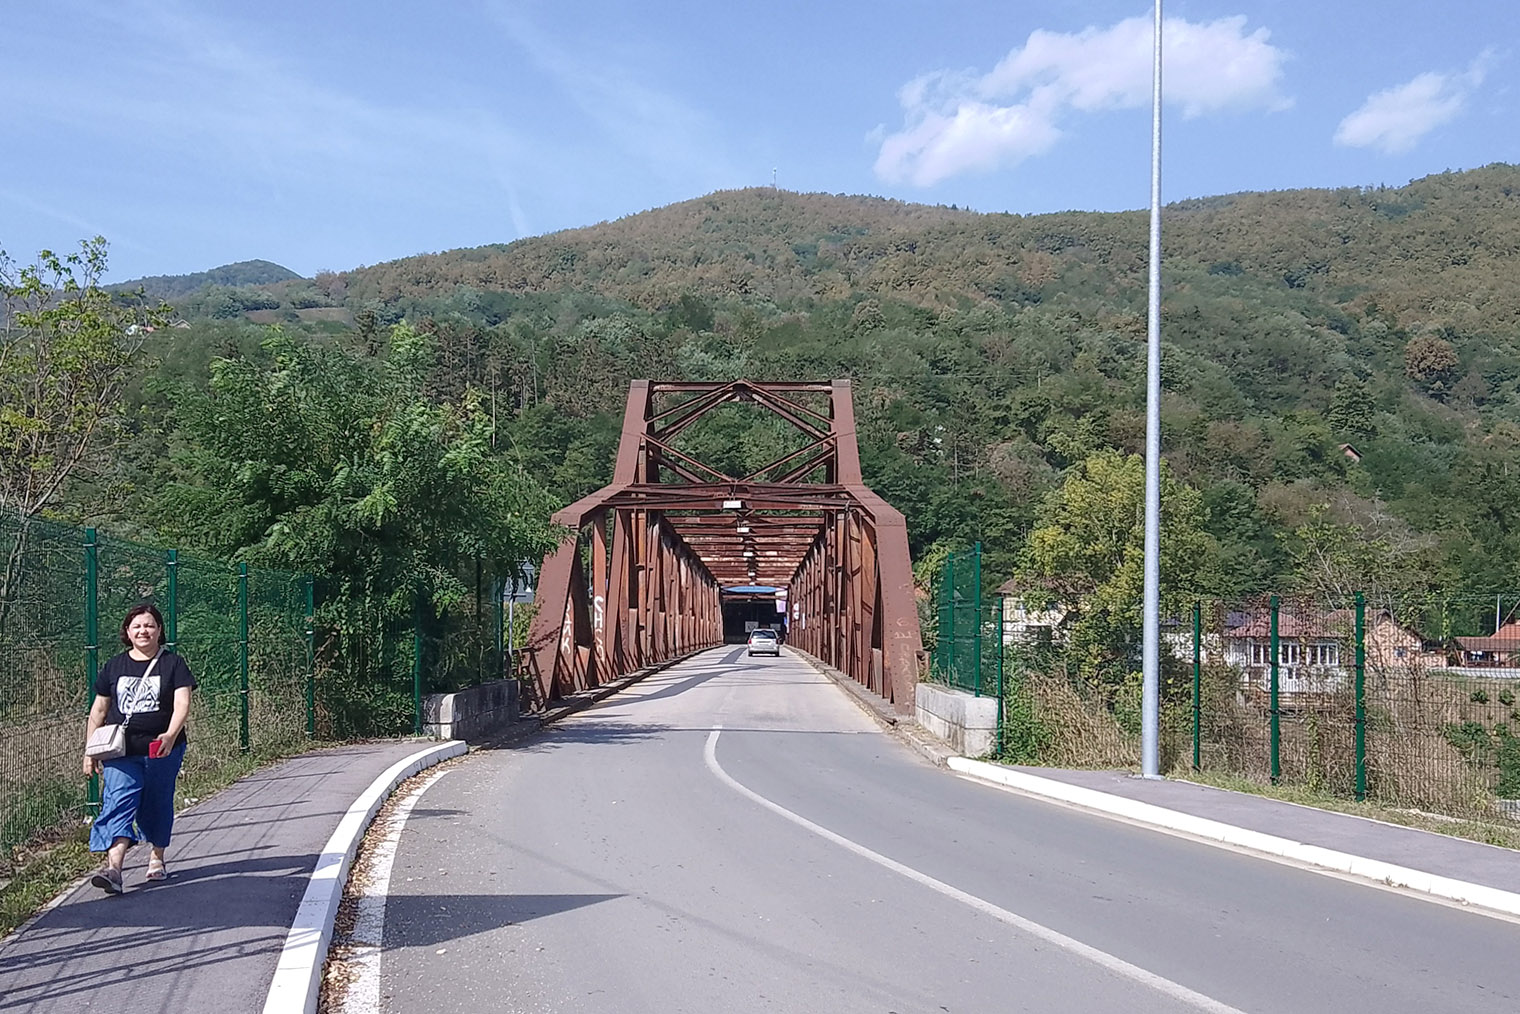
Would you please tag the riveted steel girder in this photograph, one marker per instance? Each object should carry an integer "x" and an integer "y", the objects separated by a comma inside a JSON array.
[{"x": 638, "y": 579}]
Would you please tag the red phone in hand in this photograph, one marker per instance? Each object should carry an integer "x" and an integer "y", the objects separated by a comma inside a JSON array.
[{"x": 153, "y": 745}]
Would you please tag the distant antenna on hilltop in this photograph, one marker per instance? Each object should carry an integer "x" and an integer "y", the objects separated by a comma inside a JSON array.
[{"x": 773, "y": 179}]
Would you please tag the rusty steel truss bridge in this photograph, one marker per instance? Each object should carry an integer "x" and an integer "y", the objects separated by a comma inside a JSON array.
[{"x": 645, "y": 572}]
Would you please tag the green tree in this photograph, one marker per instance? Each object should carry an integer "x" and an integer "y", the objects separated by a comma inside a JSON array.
[
  {"x": 690, "y": 312},
  {"x": 1251, "y": 557},
  {"x": 1088, "y": 548},
  {"x": 572, "y": 457},
  {"x": 867, "y": 317},
  {"x": 66, "y": 352},
  {"x": 1352, "y": 410},
  {"x": 67, "y": 348},
  {"x": 1335, "y": 559},
  {"x": 312, "y": 458}
]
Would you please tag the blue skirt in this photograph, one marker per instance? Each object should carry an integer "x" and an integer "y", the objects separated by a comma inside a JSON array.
[{"x": 140, "y": 791}]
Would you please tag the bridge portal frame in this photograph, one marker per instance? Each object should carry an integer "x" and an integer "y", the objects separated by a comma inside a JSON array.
[{"x": 637, "y": 580}]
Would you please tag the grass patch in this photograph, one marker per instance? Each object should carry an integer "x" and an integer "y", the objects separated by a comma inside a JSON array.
[
  {"x": 44, "y": 871},
  {"x": 1048, "y": 720},
  {"x": 1505, "y": 836},
  {"x": 37, "y": 809},
  {"x": 55, "y": 858}
]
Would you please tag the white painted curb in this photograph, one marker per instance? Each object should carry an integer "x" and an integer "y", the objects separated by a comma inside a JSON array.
[
  {"x": 297, "y": 980},
  {"x": 1212, "y": 830}
]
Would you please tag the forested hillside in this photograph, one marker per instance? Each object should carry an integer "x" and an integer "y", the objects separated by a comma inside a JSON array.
[
  {"x": 230, "y": 275},
  {"x": 1342, "y": 369},
  {"x": 1435, "y": 251}
]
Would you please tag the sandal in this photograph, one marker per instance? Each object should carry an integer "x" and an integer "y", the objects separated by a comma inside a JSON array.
[
  {"x": 108, "y": 880},
  {"x": 157, "y": 870}
]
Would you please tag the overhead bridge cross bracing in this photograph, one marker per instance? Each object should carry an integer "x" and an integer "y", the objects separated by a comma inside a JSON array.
[{"x": 652, "y": 560}]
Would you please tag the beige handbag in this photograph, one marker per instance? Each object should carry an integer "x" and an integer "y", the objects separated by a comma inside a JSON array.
[
  {"x": 107, "y": 743},
  {"x": 110, "y": 741}
]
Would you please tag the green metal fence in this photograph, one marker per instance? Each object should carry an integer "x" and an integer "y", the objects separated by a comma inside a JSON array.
[
  {"x": 376, "y": 661},
  {"x": 43, "y": 686},
  {"x": 280, "y": 658},
  {"x": 242, "y": 630},
  {"x": 960, "y": 656},
  {"x": 1408, "y": 703},
  {"x": 966, "y": 650}
]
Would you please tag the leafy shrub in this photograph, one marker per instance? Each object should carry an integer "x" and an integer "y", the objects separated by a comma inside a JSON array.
[
  {"x": 1471, "y": 738},
  {"x": 1508, "y": 761}
]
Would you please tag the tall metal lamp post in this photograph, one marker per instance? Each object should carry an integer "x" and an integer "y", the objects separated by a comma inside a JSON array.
[{"x": 1150, "y": 705}]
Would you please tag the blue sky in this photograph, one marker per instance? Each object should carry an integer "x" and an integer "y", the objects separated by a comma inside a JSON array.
[{"x": 334, "y": 133}]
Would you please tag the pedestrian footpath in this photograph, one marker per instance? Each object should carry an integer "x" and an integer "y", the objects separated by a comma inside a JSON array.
[
  {"x": 1445, "y": 867},
  {"x": 210, "y": 937},
  {"x": 243, "y": 922}
]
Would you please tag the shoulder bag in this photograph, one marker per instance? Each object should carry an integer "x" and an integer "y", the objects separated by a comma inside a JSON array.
[{"x": 110, "y": 741}]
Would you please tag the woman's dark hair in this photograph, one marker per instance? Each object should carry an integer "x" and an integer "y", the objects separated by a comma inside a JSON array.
[{"x": 134, "y": 613}]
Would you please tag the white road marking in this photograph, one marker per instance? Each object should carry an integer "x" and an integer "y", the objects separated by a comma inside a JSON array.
[
  {"x": 362, "y": 996},
  {"x": 1102, "y": 959}
]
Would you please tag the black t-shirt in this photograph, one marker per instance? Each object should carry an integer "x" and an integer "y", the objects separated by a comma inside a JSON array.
[{"x": 149, "y": 703}]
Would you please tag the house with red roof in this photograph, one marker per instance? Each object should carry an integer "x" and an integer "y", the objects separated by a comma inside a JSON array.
[
  {"x": 1316, "y": 651},
  {"x": 1500, "y": 650}
]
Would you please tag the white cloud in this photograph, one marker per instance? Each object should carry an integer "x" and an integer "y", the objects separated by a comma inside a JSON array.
[
  {"x": 973, "y": 136},
  {"x": 958, "y": 123},
  {"x": 1394, "y": 120}
]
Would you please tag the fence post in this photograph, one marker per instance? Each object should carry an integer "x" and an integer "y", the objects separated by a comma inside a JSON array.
[
  {"x": 171, "y": 621},
  {"x": 92, "y": 638},
  {"x": 417, "y": 667},
  {"x": 243, "y": 743},
  {"x": 1197, "y": 681},
  {"x": 498, "y": 594},
  {"x": 950, "y": 634},
  {"x": 976, "y": 612},
  {"x": 1361, "y": 696},
  {"x": 1272, "y": 695},
  {"x": 1000, "y": 680},
  {"x": 311, "y": 656}
]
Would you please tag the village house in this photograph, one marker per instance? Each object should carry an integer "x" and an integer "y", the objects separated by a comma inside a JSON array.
[
  {"x": 1177, "y": 639},
  {"x": 1031, "y": 617},
  {"x": 1317, "y": 653},
  {"x": 1500, "y": 650}
]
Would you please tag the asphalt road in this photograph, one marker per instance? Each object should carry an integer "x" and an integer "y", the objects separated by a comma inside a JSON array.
[{"x": 634, "y": 859}]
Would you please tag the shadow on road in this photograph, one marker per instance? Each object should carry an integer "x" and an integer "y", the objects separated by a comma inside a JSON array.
[
  {"x": 426, "y": 920},
  {"x": 583, "y": 731},
  {"x": 163, "y": 929},
  {"x": 62, "y": 986}
]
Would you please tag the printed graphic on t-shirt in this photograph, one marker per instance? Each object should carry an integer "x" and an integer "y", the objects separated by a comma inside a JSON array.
[{"x": 137, "y": 694}]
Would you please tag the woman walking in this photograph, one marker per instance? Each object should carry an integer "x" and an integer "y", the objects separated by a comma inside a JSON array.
[{"x": 148, "y": 689}]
